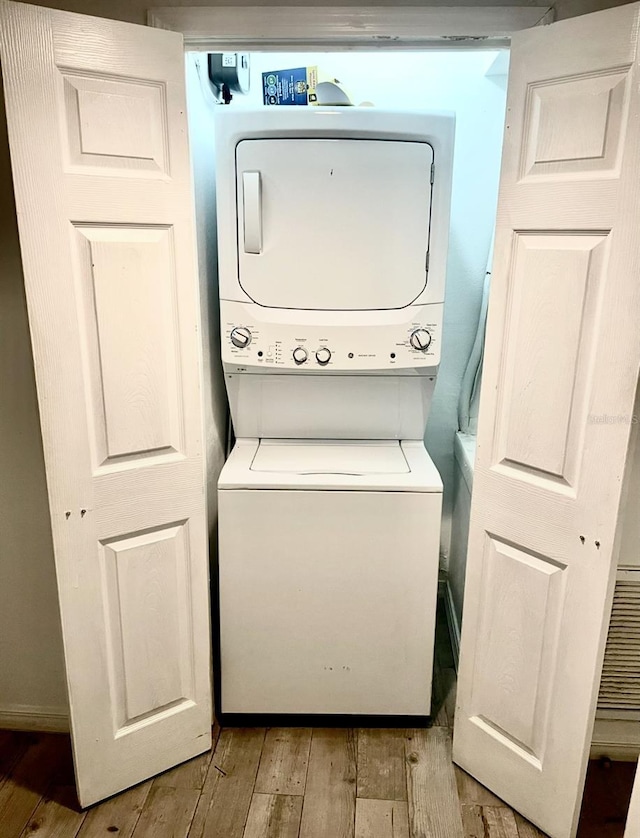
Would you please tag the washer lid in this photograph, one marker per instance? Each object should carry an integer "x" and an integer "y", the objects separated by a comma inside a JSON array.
[
  {"x": 330, "y": 464},
  {"x": 330, "y": 457}
]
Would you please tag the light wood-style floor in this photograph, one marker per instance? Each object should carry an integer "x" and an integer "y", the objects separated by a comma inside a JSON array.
[{"x": 284, "y": 783}]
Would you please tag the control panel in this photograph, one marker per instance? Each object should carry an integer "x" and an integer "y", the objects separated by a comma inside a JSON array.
[{"x": 407, "y": 338}]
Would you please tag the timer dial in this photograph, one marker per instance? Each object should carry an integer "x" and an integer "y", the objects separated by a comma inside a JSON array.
[
  {"x": 300, "y": 355},
  {"x": 420, "y": 339},
  {"x": 323, "y": 356},
  {"x": 240, "y": 337}
]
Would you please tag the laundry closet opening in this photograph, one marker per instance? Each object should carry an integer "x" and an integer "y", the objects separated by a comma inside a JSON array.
[
  {"x": 470, "y": 83},
  {"x": 333, "y": 247}
]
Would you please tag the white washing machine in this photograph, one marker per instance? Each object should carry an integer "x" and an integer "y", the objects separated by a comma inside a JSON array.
[
  {"x": 332, "y": 235},
  {"x": 329, "y": 574}
]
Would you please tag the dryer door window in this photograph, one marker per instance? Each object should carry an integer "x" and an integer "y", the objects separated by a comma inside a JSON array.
[{"x": 333, "y": 224}]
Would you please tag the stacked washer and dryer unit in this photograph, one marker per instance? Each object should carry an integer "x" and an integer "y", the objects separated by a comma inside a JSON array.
[{"x": 332, "y": 236}]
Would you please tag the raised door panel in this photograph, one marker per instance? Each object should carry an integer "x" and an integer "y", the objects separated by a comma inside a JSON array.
[
  {"x": 114, "y": 126},
  {"x": 575, "y": 125},
  {"x": 551, "y": 332},
  {"x": 127, "y": 286},
  {"x": 523, "y": 596},
  {"x": 150, "y": 644}
]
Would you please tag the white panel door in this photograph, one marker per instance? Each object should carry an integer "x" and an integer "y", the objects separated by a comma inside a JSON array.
[
  {"x": 561, "y": 366},
  {"x": 98, "y": 136},
  {"x": 314, "y": 227}
]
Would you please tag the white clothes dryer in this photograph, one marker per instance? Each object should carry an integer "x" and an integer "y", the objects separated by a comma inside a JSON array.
[{"x": 328, "y": 577}]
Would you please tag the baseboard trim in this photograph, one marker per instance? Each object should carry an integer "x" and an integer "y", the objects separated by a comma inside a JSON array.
[
  {"x": 39, "y": 719},
  {"x": 617, "y": 739},
  {"x": 322, "y": 720},
  {"x": 452, "y": 621}
]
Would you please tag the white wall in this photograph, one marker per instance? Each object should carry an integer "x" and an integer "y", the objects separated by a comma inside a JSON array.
[
  {"x": 31, "y": 658},
  {"x": 201, "y": 141},
  {"x": 455, "y": 81}
]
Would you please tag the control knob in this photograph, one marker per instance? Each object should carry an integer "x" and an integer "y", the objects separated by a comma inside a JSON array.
[
  {"x": 240, "y": 337},
  {"x": 420, "y": 339},
  {"x": 300, "y": 355},
  {"x": 323, "y": 356}
]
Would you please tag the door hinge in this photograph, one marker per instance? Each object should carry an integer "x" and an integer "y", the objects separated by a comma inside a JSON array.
[
  {"x": 433, "y": 173},
  {"x": 426, "y": 262}
]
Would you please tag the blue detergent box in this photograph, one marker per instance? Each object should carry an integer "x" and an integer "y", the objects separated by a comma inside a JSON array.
[{"x": 290, "y": 87}]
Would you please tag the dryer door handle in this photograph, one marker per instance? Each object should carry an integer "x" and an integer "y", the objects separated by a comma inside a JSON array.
[{"x": 252, "y": 208}]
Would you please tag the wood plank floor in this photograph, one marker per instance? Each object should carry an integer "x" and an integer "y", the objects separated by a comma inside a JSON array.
[{"x": 292, "y": 783}]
